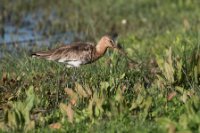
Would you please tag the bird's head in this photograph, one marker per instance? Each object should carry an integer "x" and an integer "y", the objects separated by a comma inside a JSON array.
[{"x": 108, "y": 42}]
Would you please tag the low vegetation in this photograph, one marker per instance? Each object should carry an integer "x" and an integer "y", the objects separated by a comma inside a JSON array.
[{"x": 159, "y": 93}]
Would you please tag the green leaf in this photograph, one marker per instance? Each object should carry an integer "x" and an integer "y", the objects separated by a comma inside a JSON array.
[{"x": 104, "y": 85}]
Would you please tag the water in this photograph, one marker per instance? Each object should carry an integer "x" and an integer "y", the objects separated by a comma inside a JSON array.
[{"x": 26, "y": 34}]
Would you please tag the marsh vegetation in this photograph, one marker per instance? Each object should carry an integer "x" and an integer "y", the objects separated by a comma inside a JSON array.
[{"x": 160, "y": 94}]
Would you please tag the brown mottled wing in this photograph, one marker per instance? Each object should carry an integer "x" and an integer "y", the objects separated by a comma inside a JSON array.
[{"x": 76, "y": 51}]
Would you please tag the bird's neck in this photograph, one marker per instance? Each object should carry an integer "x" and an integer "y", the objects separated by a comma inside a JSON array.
[{"x": 100, "y": 49}]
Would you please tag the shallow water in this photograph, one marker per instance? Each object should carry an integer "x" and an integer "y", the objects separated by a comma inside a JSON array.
[{"x": 26, "y": 34}]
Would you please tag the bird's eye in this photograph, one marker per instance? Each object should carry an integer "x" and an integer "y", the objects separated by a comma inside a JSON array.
[{"x": 111, "y": 41}]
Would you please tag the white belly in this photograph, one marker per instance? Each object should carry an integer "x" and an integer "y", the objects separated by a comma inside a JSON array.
[{"x": 73, "y": 63}]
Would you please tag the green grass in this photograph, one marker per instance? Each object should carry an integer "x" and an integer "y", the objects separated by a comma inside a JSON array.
[{"x": 111, "y": 95}]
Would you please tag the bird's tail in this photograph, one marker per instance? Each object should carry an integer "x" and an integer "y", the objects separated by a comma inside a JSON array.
[{"x": 41, "y": 54}]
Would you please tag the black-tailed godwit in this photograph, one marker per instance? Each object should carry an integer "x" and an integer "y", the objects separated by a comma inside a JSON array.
[{"x": 78, "y": 53}]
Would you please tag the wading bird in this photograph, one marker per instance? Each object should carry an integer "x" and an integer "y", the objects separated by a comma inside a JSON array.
[{"x": 78, "y": 53}]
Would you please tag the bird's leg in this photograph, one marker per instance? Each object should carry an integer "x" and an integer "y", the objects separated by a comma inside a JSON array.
[
  {"x": 57, "y": 92},
  {"x": 74, "y": 78},
  {"x": 65, "y": 72},
  {"x": 59, "y": 86}
]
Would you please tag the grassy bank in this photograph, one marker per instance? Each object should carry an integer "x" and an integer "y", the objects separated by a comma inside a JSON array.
[{"x": 160, "y": 94}]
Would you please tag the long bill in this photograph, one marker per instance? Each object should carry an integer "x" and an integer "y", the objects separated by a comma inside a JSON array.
[{"x": 121, "y": 51}]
